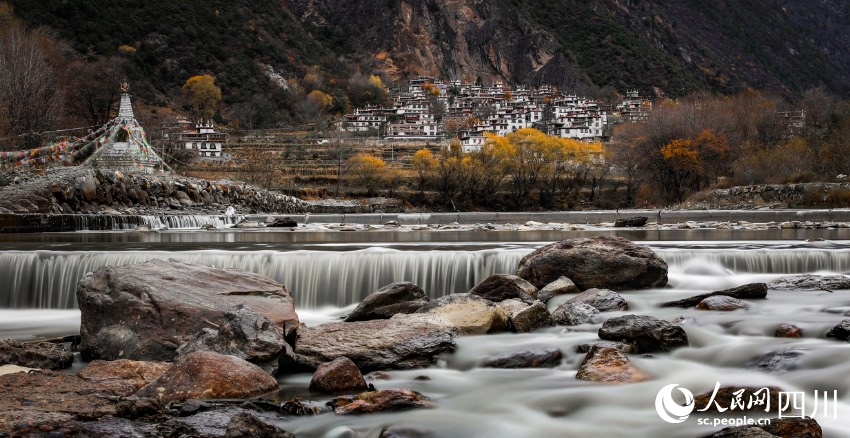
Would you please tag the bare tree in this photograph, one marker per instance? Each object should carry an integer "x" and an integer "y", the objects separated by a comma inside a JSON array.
[{"x": 93, "y": 92}]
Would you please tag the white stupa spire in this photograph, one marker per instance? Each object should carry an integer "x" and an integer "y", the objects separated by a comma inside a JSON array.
[{"x": 125, "y": 110}]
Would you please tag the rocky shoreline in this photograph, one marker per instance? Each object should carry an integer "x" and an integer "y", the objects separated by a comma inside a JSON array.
[{"x": 180, "y": 349}]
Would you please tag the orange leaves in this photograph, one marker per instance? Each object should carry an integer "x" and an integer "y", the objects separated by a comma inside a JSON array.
[{"x": 203, "y": 94}]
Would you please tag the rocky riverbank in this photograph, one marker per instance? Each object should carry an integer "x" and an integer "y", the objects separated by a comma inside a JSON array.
[{"x": 179, "y": 349}]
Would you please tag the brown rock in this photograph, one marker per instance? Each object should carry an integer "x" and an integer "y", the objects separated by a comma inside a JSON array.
[
  {"x": 145, "y": 311},
  {"x": 403, "y": 297},
  {"x": 210, "y": 375},
  {"x": 788, "y": 331},
  {"x": 646, "y": 333},
  {"x": 721, "y": 303},
  {"x": 472, "y": 314},
  {"x": 538, "y": 358},
  {"x": 339, "y": 375},
  {"x": 502, "y": 287},
  {"x": 570, "y": 314},
  {"x": 42, "y": 355},
  {"x": 247, "y": 425},
  {"x": 609, "y": 365},
  {"x": 384, "y": 400},
  {"x": 601, "y": 262},
  {"x": 524, "y": 318},
  {"x": 751, "y": 291},
  {"x": 123, "y": 377},
  {"x": 561, "y": 286}
]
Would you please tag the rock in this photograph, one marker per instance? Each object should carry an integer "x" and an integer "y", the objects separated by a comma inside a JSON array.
[
  {"x": 406, "y": 432},
  {"x": 10, "y": 369},
  {"x": 608, "y": 365},
  {"x": 574, "y": 314},
  {"x": 726, "y": 395},
  {"x": 244, "y": 334},
  {"x": 561, "y": 286},
  {"x": 749, "y": 291},
  {"x": 123, "y": 377},
  {"x": 339, "y": 375},
  {"x": 247, "y": 425},
  {"x": 502, "y": 287},
  {"x": 401, "y": 342},
  {"x": 536, "y": 358},
  {"x": 282, "y": 223},
  {"x": 204, "y": 374},
  {"x": 777, "y": 362},
  {"x": 684, "y": 320},
  {"x": 135, "y": 407},
  {"x": 145, "y": 311},
  {"x": 636, "y": 221},
  {"x": 247, "y": 223},
  {"x": 472, "y": 314},
  {"x": 788, "y": 331},
  {"x": 778, "y": 427},
  {"x": 647, "y": 333},
  {"x": 811, "y": 282},
  {"x": 841, "y": 331},
  {"x": 385, "y": 400},
  {"x": 530, "y": 318},
  {"x": 403, "y": 297},
  {"x": 603, "y": 300},
  {"x": 619, "y": 346},
  {"x": 42, "y": 355},
  {"x": 601, "y": 262},
  {"x": 33, "y": 403},
  {"x": 722, "y": 303}
]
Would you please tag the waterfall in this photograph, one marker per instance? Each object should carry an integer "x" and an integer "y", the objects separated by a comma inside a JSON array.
[
  {"x": 184, "y": 222},
  {"x": 48, "y": 279}
]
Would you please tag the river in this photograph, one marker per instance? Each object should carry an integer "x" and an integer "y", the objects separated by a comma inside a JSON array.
[{"x": 329, "y": 272}]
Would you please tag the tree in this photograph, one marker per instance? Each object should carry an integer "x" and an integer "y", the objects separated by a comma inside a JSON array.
[
  {"x": 93, "y": 89},
  {"x": 423, "y": 162},
  {"x": 367, "y": 171},
  {"x": 203, "y": 95},
  {"x": 30, "y": 98}
]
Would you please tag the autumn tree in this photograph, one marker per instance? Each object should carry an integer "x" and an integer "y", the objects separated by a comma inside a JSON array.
[
  {"x": 367, "y": 171},
  {"x": 203, "y": 95},
  {"x": 423, "y": 163}
]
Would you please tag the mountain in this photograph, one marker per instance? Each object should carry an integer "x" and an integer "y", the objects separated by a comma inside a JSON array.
[{"x": 663, "y": 47}]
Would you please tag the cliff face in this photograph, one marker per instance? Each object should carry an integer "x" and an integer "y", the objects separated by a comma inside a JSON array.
[{"x": 463, "y": 39}]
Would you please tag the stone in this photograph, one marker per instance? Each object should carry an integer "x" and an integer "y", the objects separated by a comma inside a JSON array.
[
  {"x": 841, "y": 331},
  {"x": 10, "y": 369},
  {"x": 811, "y": 282},
  {"x": 648, "y": 334},
  {"x": 338, "y": 375},
  {"x": 282, "y": 223},
  {"x": 721, "y": 303},
  {"x": 570, "y": 314},
  {"x": 204, "y": 374},
  {"x": 146, "y": 311},
  {"x": 123, "y": 377},
  {"x": 402, "y": 297},
  {"x": 43, "y": 399},
  {"x": 751, "y": 291},
  {"x": 42, "y": 355},
  {"x": 619, "y": 346},
  {"x": 502, "y": 287},
  {"x": 636, "y": 221},
  {"x": 609, "y": 365},
  {"x": 788, "y": 331},
  {"x": 385, "y": 400},
  {"x": 600, "y": 262},
  {"x": 247, "y": 223},
  {"x": 531, "y": 318},
  {"x": 549, "y": 357},
  {"x": 247, "y": 425},
  {"x": 777, "y": 362},
  {"x": 401, "y": 342},
  {"x": 472, "y": 314},
  {"x": 603, "y": 300},
  {"x": 244, "y": 334},
  {"x": 561, "y": 286},
  {"x": 725, "y": 396}
]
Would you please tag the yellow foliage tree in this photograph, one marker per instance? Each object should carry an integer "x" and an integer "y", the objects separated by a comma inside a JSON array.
[
  {"x": 367, "y": 171},
  {"x": 423, "y": 162},
  {"x": 320, "y": 99},
  {"x": 203, "y": 95}
]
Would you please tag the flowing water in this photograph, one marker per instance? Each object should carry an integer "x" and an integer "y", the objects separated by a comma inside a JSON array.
[{"x": 328, "y": 277}]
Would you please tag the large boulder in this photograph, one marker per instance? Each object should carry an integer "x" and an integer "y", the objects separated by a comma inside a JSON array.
[
  {"x": 549, "y": 357},
  {"x": 338, "y": 375},
  {"x": 600, "y": 262},
  {"x": 204, "y": 374},
  {"x": 646, "y": 333},
  {"x": 244, "y": 334},
  {"x": 403, "y": 341},
  {"x": 603, "y": 300},
  {"x": 472, "y": 314},
  {"x": 43, "y": 355},
  {"x": 609, "y": 365},
  {"x": 402, "y": 297},
  {"x": 751, "y": 291},
  {"x": 502, "y": 287},
  {"x": 123, "y": 377},
  {"x": 145, "y": 311},
  {"x": 574, "y": 314}
]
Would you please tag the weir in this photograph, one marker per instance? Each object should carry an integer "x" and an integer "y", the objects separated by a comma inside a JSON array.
[{"x": 48, "y": 279}]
